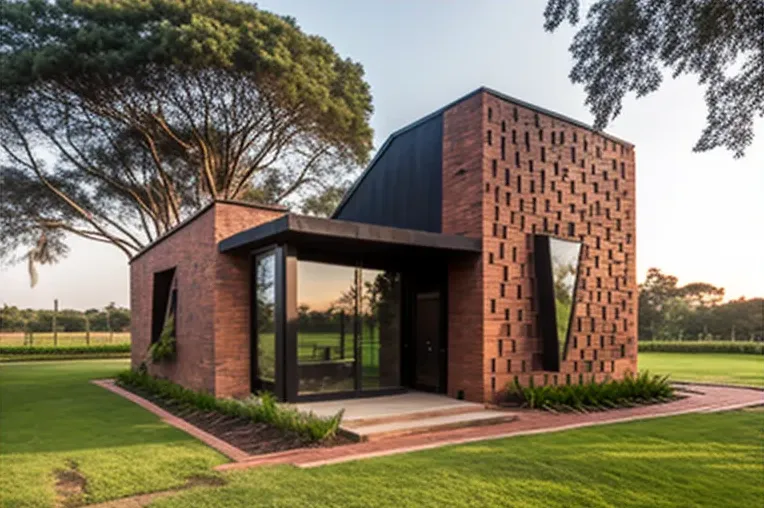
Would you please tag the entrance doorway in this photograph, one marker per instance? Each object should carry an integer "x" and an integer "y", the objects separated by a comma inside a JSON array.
[{"x": 427, "y": 342}]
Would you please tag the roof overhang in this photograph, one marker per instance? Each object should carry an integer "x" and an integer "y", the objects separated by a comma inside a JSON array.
[{"x": 347, "y": 238}]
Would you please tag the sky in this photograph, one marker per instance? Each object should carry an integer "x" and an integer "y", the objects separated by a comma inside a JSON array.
[{"x": 699, "y": 216}]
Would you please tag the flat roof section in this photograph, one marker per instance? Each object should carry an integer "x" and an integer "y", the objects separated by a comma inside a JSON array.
[{"x": 346, "y": 237}]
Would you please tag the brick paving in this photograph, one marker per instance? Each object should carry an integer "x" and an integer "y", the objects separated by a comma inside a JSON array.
[{"x": 698, "y": 399}]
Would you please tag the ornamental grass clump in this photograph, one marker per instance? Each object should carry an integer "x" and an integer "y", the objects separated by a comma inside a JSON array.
[
  {"x": 593, "y": 396},
  {"x": 261, "y": 408}
]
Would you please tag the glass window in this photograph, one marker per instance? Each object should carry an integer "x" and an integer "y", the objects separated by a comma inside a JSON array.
[
  {"x": 266, "y": 325},
  {"x": 565, "y": 257},
  {"x": 326, "y": 304},
  {"x": 380, "y": 329}
]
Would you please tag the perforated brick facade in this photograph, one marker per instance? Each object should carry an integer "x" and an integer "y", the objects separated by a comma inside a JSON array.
[{"x": 509, "y": 173}]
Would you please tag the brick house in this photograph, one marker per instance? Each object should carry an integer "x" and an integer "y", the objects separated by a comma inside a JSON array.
[{"x": 488, "y": 242}]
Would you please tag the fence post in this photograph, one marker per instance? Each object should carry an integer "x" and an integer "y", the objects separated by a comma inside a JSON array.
[{"x": 55, "y": 327}]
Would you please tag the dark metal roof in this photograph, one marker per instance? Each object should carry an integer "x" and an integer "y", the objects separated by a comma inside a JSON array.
[
  {"x": 345, "y": 236},
  {"x": 440, "y": 111}
]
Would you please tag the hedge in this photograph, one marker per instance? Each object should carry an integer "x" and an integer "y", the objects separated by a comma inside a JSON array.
[
  {"x": 65, "y": 350},
  {"x": 53, "y": 358},
  {"x": 751, "y": 348}
]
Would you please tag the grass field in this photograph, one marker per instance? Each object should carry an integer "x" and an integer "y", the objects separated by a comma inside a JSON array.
[
  {"x": 64, "y": 338},
  {"x": 694, "y": 460},
  {"x": 51, "y": 417},
  {"x": 722, "y": 368}
]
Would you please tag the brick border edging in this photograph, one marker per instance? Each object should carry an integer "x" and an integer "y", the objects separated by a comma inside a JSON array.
[
  {"x": 560, "y": 428},
  {"x": 221, "y": 446},
  {"x": 718, "y": 385}
]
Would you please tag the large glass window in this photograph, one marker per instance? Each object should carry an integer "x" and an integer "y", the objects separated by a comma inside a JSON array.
[
  {"x": 265, "y": 285},
  {"x": 326, "y": 302},
  {"x": 347, "y": 315},
  {"x": 380, "y": 338}
]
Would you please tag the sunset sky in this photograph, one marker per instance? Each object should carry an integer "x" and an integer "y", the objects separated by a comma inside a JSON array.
[{"x": 699, "y": 216}]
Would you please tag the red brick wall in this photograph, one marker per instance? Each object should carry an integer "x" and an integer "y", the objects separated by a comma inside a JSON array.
[
  {"x": 213, "y": 301},
  {"x": 463, "y": 211},
  {"x": 232, "y": 300},
  {"x": 192, "y": 251},
  {"x": 588, "y": 181}
]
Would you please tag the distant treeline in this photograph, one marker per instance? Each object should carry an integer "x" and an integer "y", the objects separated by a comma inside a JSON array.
[
  {"x": 109, "y": 319},
  {"x": 695, "y": 311}
]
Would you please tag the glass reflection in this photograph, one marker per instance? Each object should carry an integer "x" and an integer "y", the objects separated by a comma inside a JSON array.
[
  {"x": 565, "y": 256},
  {"x": 266, "y": 325},
  {"x": 326, "y": 296},
  {"x": 380, "y": 329}
]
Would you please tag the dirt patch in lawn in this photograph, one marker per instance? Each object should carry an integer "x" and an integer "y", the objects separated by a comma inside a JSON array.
[
  {"x": 254, "y": 438},
  {"x": 70, "y": 486}
]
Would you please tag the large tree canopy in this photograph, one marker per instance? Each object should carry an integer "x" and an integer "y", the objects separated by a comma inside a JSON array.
[
  {"x": 625, "y": 45},
  {"x": 119, "y": 118}
]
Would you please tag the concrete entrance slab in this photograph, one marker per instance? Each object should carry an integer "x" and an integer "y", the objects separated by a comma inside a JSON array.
[{"x": 372, "y": 409}]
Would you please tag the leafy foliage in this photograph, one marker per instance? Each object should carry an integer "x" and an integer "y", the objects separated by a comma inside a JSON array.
[
  {"x": 262, "y": 408},
  {"x": 632, "y": 390},
  {"x": 120, "y": 118},
  {"x": 668, "y": 311},
  {"x": 752, "y": 348},
  {"x": 110, "y": 318},
  {"x": 625, "y": 44},
  {"x": 164, "y": 348}
]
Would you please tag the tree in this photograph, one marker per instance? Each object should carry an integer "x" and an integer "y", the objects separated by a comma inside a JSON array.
[
  {"x": 701, "y": 294},
  {"x": 324, "y": 203},
  {"x": 118, "y": 118},
  {"x": 654, "y": 295},
  {"x": 625, "y": 45}
]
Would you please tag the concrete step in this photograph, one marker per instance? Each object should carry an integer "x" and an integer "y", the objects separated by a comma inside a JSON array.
[
  {"x": 428, "y": 424},
  {"x": 413, "y": 415}
]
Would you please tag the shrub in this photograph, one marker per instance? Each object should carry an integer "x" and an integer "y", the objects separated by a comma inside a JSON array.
[
  {"x": 632, "y": 390},
  {"x": 164, "y": 348},
  {"x": 65, "y": 350},
  {"x": 262, "y": 408},
  {"x": 752, "y": 348}
]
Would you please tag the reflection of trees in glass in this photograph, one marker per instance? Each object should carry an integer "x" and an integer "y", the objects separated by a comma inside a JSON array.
[
  {"x": 266, "y": 302},
  {"x": 564, "y": 256}
]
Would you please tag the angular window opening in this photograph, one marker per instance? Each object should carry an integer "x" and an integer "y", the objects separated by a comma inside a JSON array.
[
  {"x": 164, "y": 302},
  {"x": 557, "y": 267}
]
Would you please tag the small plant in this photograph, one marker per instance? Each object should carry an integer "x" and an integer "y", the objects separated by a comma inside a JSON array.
[
  {"x": 260, "y": 408},
  {"x": 164, "y": 348},
  {"x": 641, "y": 389}
]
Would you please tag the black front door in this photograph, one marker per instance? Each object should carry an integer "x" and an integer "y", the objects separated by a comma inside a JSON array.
[{"x": 427, "y": 342}]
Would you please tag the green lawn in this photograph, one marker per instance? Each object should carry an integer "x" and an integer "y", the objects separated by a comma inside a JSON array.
[
  {"x": 739, "y": 369},
  {"x": 51, "y": 417},
  {"x": 693, "y": 460}
]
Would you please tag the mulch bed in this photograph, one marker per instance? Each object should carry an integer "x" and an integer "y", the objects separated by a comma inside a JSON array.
[{"x": 254, "y": 438}]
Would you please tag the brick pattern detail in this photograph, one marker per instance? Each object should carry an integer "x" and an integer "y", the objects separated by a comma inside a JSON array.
[
  {"x": 542, "y": 175},
  {"x": 213, "y": 301}
]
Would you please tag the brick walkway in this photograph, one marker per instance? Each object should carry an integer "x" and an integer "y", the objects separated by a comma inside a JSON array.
[{"x": 698, "y": 399}]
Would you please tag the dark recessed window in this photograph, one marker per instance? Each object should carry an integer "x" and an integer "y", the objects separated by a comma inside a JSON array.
[{"x": 164, "y": 302}]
